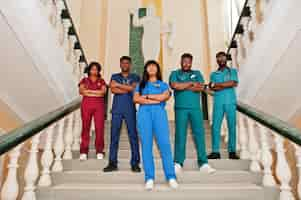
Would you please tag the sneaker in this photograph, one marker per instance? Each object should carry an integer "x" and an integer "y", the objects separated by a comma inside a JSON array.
[
  {"x": 173, "y": 184},
  {"x": 214, "y": 156},
  {"x": 136, "y": 169},
  {"x": 149, "y": 185},
  {"x": 233, "y": 156},
  {"x": 178, "y": 168},
  {"x": 205, "y": 168},
  {"x": 110, "y": 168},
  {"x": 100, "y": 156},
  {"x": 83, "y": 157}
]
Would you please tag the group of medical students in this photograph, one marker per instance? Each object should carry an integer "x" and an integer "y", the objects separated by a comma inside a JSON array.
[{"x": 150, "y": 121}]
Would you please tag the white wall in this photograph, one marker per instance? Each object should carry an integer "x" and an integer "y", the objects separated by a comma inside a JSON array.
[{"x": 35, "y": 77}]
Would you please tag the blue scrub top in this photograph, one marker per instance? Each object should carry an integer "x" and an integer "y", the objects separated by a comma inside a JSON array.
[
  {"x": 228, "y": 95},
  {"x": 123, "y": 103},
  {"x": 157, "y": 87}
]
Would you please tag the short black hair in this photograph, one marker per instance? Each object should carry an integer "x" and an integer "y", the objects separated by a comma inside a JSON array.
[
  {"x": 92, "y": 64},
  {"x": 128, "y": 58},
  {"x": 187, "y": 55},
  {"x": 221, "y": 53}
]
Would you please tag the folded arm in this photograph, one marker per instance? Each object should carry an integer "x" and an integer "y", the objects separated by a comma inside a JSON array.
[
  {"x": 221, "y": 86},
  {"x": 92, "y": 93},
  {"x": 159, "y": 97},
  {"x": 139, "y": 99}
]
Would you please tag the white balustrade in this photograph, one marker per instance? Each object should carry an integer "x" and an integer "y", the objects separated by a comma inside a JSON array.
[
  {"x": 243, "y": 138},
  {"x": 59, "y": 147},
  {"x": 32, "y": 170},
  {"x": 282, "y": 170},
  {"x": 69, "y": 138},
  {"x": 253, "y": 147},
  {"x": 10, "y": 188},
  {"x": 47, "y": 158},
  {"x": 77, "y": 130},
  {"x": 266, "y": 157}
]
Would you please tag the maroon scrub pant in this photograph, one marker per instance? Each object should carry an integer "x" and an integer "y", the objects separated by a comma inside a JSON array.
[{"x": 93, "y": 107}]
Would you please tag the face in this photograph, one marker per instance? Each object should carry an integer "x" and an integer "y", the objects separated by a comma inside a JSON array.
[
  {"x": 94, "y": 71},
  {"x": 221, "y": 61},
  {"x": 186, "y": 64},
  {"x": 152, "y": 70},
  {"x": 125, "y": 65}
]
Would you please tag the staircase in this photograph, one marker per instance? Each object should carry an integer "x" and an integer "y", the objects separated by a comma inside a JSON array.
[{"x": 85, "y": 180}]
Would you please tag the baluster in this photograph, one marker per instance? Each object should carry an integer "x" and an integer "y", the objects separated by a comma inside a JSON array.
[
  {"x": 240, "y": 50},
  {"x": 282, "y": 170},
  {"x": 82, "y": 66},
  {"x": 59, "y": 147},
  {"x": 66, "y": 40},
  {"x": 10, "y": 189},
  {"x": 77, "y": 55},
  {"x": 69, "y": 138},
  {"x": 298, "y": 158},
  {"x": 32, "y": 170},
  {"x": 48, "y": 8},
  {"x": 71, "y": 53},
  {"x": 243, "y": 138},
  {"x": 47, "y": 158},
  {"x": 60, "y": 6},
  {"x": 254, "y": 18},
  {"x": 77, "y": 130},
  {"x": 266, "y": 157},
  {"x": 253, "y": 147}
]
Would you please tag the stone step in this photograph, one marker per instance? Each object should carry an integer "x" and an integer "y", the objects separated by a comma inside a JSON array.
[
  {"x": 124, "y": 153},
  {"x": 126, "y": 176},
  {"x": 190, "y": 164},
  {"x": 234, "y": 191}
]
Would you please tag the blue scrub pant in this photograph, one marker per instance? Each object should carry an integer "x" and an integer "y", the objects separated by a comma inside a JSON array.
[
  {"x": 152, "y": 121},
  {"x": 130, "y": 120},
  {"x": 219, "y": 110}
]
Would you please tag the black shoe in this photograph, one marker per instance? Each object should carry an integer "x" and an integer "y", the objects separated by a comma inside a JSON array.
[
  {"x": 214, "y": 156},
  {"x": 233, "y": 156},
  {"x": 136, "y": 169},
  {"x": 110, "y": 168}
]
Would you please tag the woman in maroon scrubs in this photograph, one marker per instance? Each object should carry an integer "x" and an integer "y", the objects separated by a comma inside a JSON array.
[{"x": 93, "y": 89}]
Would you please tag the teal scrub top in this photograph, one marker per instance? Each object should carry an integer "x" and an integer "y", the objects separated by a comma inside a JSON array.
[
  {"x": 228, "y": 95},
  {"x": 186, "y": 99}
]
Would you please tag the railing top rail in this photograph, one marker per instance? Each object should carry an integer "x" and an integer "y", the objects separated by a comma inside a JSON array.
[
  {"x": 75, "y": 31},
  {"x": 277, "y": 125},
  {"x": 21, "y": 134},
  {"x": 237, "y": 25}
]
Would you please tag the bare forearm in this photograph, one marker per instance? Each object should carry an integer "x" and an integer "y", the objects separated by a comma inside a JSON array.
[
  {"x": 128, "y": 88},
  {"x": 159, "y": 97},
  {"x": 118, "y": 91},
  {"x": 97, "y": 93},
  {"x": 228, "y": 84},
  {"x": 181, "y": 86}
]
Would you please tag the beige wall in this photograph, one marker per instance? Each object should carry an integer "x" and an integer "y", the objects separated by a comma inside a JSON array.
[{"x": 8, "y": 119}]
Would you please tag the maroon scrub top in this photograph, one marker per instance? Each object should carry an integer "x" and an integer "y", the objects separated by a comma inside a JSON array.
[{"x": 90, "y": 85}]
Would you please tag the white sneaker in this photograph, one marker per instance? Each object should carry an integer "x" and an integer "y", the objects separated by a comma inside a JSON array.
[
  {"x": 178, "y": 168},
  {"x": 173, "y": 183},
  {"x": 83, "y": 157},
  {"x": 207, "y": 169},
  {"x": 100, "y": 156},
  {"x": 149, "y": 185}
]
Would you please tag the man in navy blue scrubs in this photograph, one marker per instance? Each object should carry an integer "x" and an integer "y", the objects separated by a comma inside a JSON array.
[{"x": 122, "y": 86}]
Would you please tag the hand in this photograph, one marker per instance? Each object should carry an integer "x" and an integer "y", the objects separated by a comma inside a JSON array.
[{"x": 115, "y": 84}]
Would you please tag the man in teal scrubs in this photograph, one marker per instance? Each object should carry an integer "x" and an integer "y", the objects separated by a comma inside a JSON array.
[
  {"x": 223, "y": 83},
  {"x": 187, "y": 85}
]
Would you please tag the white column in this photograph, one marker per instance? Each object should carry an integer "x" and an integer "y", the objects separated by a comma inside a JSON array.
[
  {"x": 68, "y": 138},
  {"x": 266, "y": 157},
  {"x": 282, "y": 170},
  {"x": 253, "y": 147},
  {"x": 59, "y": 147},
  {"x": 77, "y": 130},
  {"x": 32, "y": 170},
  {"x": 243, "y": 138},
  {"x": 10, "y": 189},
  {"x": 47, "y": 158}
]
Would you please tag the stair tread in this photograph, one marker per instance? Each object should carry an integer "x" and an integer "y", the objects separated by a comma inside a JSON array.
[{"x": 137, "y": 187}]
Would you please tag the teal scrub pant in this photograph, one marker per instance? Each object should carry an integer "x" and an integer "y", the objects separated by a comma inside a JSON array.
[
  {"x": 195, "y": 116},
  {"x": 219, "y": 110},
  {"x": 152, "y": 121}
]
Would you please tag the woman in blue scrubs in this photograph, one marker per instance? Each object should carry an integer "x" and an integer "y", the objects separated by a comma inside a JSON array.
[{"x": 151, "y": 94}]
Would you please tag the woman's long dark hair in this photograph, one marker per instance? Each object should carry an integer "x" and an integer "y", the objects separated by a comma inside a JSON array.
[
  {"x": 145, "y": 76},
  {"x": 89, "y": 67}
]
